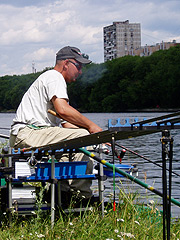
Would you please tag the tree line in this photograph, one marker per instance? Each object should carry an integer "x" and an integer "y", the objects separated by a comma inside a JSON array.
[{"x": 129, "y": 82}]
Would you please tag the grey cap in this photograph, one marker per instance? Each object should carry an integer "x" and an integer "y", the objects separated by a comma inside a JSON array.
[{"x": 71, "y": 52}]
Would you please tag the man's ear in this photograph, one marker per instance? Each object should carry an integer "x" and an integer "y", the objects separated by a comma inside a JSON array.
[{"x": 66, "y": 63}]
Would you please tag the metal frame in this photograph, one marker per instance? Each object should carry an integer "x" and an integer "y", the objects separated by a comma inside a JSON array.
[{"x": 167, "y": 154}]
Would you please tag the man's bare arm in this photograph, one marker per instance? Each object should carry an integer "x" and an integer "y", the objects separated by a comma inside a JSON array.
[{"x": 73, "y": 116}]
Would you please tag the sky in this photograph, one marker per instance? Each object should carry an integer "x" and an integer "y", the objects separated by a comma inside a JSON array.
[{"x": 33, "y": 31}]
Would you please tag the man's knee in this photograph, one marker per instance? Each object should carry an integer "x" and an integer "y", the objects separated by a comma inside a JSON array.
[
  {"x": 12, "y": 140},
  {"x": 83, "y": 132}
]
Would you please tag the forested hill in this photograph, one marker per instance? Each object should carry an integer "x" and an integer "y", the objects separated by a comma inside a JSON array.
[{"x": 129, "y": 82}]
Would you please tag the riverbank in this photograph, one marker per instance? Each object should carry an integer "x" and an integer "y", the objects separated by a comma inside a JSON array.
[{"x": 127, "y": 222}]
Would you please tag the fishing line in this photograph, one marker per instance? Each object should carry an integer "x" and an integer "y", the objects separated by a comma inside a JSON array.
[
  {"x": 114, "y": 203},
  {"x": 135, "y": 153},
  {"x": 134, "y": 179}
]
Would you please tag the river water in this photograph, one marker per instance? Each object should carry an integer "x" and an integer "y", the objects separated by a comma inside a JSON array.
[{"x": 149, "y": 146}]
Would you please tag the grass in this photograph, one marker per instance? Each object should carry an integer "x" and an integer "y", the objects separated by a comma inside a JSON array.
[{"x": 127, "y": 222}]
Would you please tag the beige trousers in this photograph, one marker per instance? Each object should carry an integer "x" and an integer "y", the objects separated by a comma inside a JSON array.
[{"x": 28, "y": 137}]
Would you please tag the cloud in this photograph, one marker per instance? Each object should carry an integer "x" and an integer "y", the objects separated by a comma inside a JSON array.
[
  {"x": 22, "y": 27},
  {"x": 35, "y": 30},
  {"x": 41, "y": 54}
]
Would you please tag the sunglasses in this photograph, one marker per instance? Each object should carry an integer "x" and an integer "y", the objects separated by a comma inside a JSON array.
[{"x": 77, "y": 65}]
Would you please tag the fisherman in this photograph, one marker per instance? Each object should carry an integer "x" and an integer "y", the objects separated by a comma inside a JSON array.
[{"x": 33, "y": 126}]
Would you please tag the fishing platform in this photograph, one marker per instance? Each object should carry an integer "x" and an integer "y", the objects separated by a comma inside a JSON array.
[
  {"x": 54, "y": 173},
  {"x": 41, "y": 166}
]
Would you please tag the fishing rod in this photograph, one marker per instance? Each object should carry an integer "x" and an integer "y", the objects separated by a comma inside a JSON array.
[
  {"x": 135, "y": 153},
  {"x": 4, "y": 136},
  {"x": 120, "y": 156},
  {"x": 170, "y": 115},
  {"x": 134, "y": 179},
  {"x": 111, "y": 166},
  {"x": 4, "y": 128}
]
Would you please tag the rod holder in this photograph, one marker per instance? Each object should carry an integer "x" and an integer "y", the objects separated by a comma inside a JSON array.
[{"x": 167, "y": 155}]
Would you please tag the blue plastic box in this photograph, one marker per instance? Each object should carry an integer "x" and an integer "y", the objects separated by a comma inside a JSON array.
[
  {"x": 43, "y": 170},
  {"x": 109, "y": 172}
]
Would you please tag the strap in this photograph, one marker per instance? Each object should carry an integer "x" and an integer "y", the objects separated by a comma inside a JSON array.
[
  {"x": 14, "y": 123},
  {"x": 36, "y": 127},
  {"x": 29, "y": 125}
]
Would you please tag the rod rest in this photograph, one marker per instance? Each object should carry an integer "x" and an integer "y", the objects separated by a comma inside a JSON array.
[{"x": 63, "y": 170}]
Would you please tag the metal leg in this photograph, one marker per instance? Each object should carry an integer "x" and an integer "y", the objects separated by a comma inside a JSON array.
[
  {"x": 170, "y": 182},
  {"x": 101, "y": 182},
  {"x": 52, "y": 190},
  {"x": 113, "y": 153},
  {"x": 10, "y": 189},
  {"x": 164, "y": 182},
  {"x": 59, "y": 193},
  {"x": 167, "y": 146}
]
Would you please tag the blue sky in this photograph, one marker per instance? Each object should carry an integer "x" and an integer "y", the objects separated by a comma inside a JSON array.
[{"x": 34, "y": 30}]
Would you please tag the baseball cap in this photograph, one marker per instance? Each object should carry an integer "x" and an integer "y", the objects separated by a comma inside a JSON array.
[{"x": 71, "y": 52}]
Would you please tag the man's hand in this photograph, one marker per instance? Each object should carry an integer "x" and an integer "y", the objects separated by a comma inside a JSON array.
[{"x": 94, "y": 128}]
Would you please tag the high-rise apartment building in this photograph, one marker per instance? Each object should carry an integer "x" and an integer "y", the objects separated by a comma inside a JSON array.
[{"x": 120, "y": 39}]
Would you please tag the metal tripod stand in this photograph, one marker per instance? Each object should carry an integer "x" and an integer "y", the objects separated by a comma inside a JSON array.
[{"x": 167, "y": 154}]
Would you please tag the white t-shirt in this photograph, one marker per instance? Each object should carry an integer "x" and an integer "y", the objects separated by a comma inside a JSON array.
[{"x": 37, "y": 100}]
